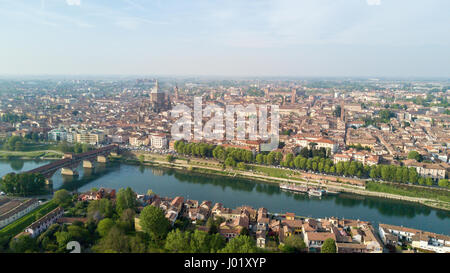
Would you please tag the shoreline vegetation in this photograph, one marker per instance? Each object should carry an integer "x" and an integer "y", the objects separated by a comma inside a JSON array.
[
  {"x": 431, "y": 197},
  {"x": 43, "y": 154}
]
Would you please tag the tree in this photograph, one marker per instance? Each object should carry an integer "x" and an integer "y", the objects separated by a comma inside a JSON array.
[
  {"x": 78, "y": 233},
  {"x": 99, "y": 209},
  {"x": 386, "y": 115},
  {"x": 216, "y": 243},
  {"x": 200, "y": 242},
  {"x": 141, "y": 158},
  {"x": 340, "y": 168},
  {"x": 63, "y": 237},
  {"x": 127, "y": 220},
  {"x": 23, "y": 244},
  {"x": 114, "y": 242},
  {"x": 270, "y": 159},
  {"x": 415, "y": 155},
  {"x": 85, "y": 147},
  {"x": 260, "y": 158},
  {"x": 295, "y": 243},
  {"x": 421, "y": 181},
  {"x": 413, "y": 175},
  {"x": 137, "y": 244},
  {"x": 193, "y": 242},
  {"x": 230, "y": 162},
  {"x": 242, "y": 166},
  {"x": 245, "y": 231},
  {"x": 178, "y": 241},
  {"x": 62, "y": 198},
  {"x": 23, "y": 184},
  {"x": 14, "y": 143},
  {"x": 240, "y": 244},
  {"x": 104, "y": 226},
  {"x": 329, "y": 246},
  {"x": 170, "y": 158},
  {"x": 154, "y": 223},
  {"x": 213, "y": 224},
  {"x": 443, "y": 183},
  {"x": 126, "y": 199}
]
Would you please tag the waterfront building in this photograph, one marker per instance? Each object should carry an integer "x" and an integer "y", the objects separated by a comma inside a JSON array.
[
  {"x": 90, "y": 137},
  {"x": 397, "y": 235},
  {"x": 159, "y": 141},
  {"x": 317, "y": 143},
  {"x": 433, "y": 170}
]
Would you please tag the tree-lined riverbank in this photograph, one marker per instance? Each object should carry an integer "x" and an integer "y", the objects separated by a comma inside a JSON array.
[
  {"x": 408, "y": 193},
  {"x": 235, "y": 190}
]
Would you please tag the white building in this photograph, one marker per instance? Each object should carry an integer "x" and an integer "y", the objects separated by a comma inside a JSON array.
[
  {"x": 45, "y": 222},
  {"x": 159, "y": 141},
  {"x": 319, "y": 143},
  {"x": 57, "y": 135},
  {"x": 432, "y": 242}
]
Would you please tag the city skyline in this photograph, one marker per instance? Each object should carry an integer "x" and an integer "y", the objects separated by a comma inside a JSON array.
[{"x": 359, "y": 38}]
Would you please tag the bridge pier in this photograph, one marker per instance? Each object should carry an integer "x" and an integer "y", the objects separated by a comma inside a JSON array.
[
  {"x": 102, "y": 159},
  {"x": 69, "y": 162},
  {"x": 69, "y": 172},
  {"x": 88, "y": 164}
]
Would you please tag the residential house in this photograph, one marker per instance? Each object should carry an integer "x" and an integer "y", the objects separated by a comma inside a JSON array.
[{"x": 44, "y": 222}]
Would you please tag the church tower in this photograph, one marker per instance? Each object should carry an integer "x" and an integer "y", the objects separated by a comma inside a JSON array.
[
  {"x": 293, "y": 95},
  {"x": 157, "y": 98},
  {"x": 176, "y": 92}
]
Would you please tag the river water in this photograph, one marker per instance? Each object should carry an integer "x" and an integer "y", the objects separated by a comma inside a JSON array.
[{"x": 234, "y": 192}]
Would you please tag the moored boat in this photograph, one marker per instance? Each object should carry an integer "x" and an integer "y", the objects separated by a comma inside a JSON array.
[
  {"x": 316, "y": 192},
  {"x": 296, "y": 188}
]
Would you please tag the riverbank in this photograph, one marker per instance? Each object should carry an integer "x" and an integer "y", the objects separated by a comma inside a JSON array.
[
  {"x": 290, "y": 176},
  {"x": 41, "y": 154}
]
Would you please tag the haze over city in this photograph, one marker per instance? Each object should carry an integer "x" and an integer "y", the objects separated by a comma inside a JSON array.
[
  {"x": 210, "y": 126},
  {"x": 372, "y": 38}
]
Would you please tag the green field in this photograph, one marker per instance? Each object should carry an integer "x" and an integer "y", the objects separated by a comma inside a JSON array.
[
  {"x": 405, "y": 190},
  {"x": 29, "y": 147},
  {"x": 18, "y": 226},
  {"x": 280, "y": 173},
  {"x": 31, "y": 154}
]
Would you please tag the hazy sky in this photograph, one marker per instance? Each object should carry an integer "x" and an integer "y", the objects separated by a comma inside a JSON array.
[{"x": 233, "y": 37}]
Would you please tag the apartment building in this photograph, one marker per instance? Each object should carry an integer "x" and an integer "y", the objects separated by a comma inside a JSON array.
[
  {"x": 89, "y": 137},
  {"x": 159, "y": 141}
]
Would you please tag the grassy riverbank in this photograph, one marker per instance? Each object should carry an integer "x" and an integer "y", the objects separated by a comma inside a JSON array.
[
  {"x": 41, "y": 154},
  {"x": 406, "y": 190}
]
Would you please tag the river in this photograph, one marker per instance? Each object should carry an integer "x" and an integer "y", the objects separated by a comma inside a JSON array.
[{"x": 235, "y": 192}]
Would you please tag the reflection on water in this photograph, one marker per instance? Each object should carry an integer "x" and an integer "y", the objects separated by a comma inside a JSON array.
[
  {"x": 17, "y": 164},
  {"x": 87, "y": 175},
  {"x": 386, "y": 207},
  {"x": 234, "y": 192}
]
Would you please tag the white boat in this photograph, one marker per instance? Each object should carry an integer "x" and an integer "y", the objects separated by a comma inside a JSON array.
[
  {"x": 295, "y": 188},
  {"x": 315, "y": 192}
]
